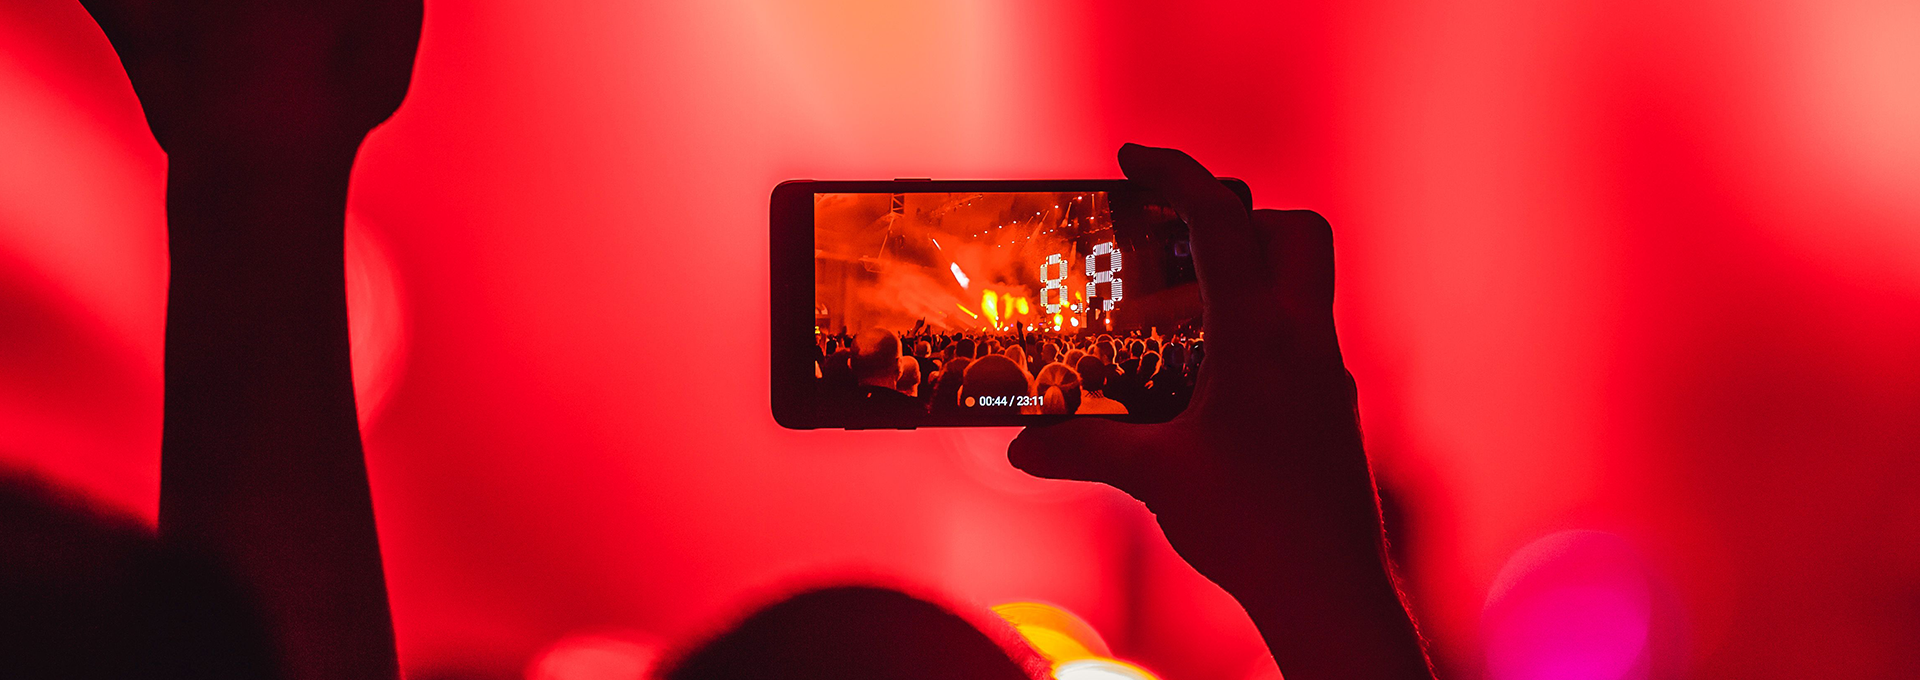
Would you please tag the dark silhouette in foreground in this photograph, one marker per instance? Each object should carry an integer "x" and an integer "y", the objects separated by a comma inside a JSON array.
[
  {"x": 261, "y": 108},
  {"x": 1261, "y": 484},
  {"x": 85, "y": 595},
  {"x": 858, "y": 633}
]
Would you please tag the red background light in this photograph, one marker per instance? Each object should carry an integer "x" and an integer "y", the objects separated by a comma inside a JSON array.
[{"x": 1650, "y": 268}]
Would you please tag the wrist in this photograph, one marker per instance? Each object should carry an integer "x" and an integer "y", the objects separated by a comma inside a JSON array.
[
  {"x": 1323, "y": 593},
  {"x": 1333, "y": 614},
  {"x": 225, "y": 194},
  {"x": 327, "y": 156},
  {"x": 255, "y": 240}
]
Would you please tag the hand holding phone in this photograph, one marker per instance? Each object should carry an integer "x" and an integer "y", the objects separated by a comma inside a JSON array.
[{"x": 1262, "y": 483}]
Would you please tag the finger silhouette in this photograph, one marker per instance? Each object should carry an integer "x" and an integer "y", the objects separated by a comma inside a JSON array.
[
  {"x": 390, "y": 36},
  {"x": 1087, "y": 450},
  {"x": 1299, "y": 243},
  {"x": 1227, "y": 251}
]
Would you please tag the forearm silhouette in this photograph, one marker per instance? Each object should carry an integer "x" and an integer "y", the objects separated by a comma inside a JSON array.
[
  {"x": 261, "y": 108},
  {"x": 1262, "y": 484}
]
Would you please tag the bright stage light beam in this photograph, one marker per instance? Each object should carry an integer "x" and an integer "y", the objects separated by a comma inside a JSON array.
[{"x": 958, "y": 275}]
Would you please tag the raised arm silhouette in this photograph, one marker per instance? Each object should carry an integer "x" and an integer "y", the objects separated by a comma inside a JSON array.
[{"x": 261, "y": 108}]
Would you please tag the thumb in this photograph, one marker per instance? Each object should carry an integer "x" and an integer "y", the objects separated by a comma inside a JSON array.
[{"x": 1087, "y": 450}]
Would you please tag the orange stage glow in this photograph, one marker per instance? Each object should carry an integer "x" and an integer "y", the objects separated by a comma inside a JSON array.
[
  {"x": 891, "y": 264},
  {"x": 1075, "y": 649},
  {"x": 1055, "y": 633}
]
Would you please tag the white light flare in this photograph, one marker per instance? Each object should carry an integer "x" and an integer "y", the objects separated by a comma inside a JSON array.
[{"x": 1100, "y": 669}]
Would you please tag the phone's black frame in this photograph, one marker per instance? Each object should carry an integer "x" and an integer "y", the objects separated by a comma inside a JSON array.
[{"x": 792, "y": 292}]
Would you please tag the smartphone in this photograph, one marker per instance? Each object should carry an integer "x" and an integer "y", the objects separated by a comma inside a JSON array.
[{"x": 918, "y": 303}]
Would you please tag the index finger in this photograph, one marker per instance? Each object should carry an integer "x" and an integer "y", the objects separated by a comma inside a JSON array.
[{"x": 1227, "y": 252}]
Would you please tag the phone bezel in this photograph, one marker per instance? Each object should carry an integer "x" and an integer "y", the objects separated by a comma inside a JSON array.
[{"x": 791, "y": 294}]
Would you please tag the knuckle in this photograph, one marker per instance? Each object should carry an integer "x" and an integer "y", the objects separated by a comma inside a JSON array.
[
  {"x": 1307, "y": 223},
  {"x": 1311, "y": 219}
]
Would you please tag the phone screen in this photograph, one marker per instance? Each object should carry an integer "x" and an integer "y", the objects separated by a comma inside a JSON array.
[{"x": 952, "y": 307}]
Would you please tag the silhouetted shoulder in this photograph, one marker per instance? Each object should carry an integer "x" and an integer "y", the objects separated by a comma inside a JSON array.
[{"x": 86, "y": 593}]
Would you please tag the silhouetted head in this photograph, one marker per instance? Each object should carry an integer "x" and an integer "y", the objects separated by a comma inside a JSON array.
[
  {"x": 1174, "y": 357},
  {"x": 1093, "y": 373},
  {"x": 1059, "y": 389},
  {"x": 858, "y": 633},
  {"x": 1018, "y": 355},
  {"x": 995, "y": 376},
  {"x": 947, "y": 394},
  {"x": 85, "y": 594},
  {"x": 909, "y": 382},
  {"x": 837, "y": 370},
  {"x": 876, "y": 357}
]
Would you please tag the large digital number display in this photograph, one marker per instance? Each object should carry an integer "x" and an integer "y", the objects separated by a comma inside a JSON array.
[
  {"x": 1053, "y": 276},
  {"x": 1053, "y": 294},
  {"x": 1106, "y": 275}
]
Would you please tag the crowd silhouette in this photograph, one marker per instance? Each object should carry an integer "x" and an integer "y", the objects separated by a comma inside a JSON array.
[{"x": 881, "y": 375}]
